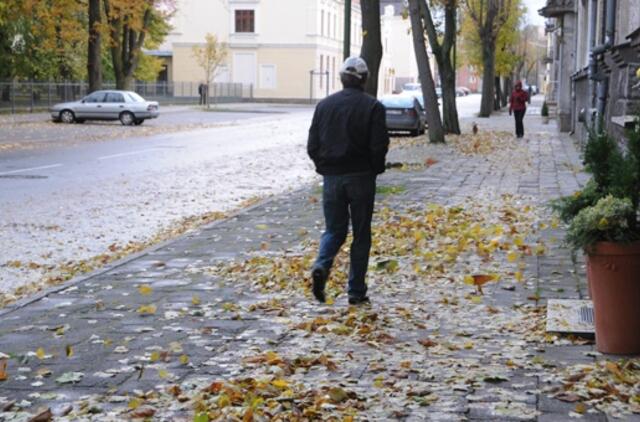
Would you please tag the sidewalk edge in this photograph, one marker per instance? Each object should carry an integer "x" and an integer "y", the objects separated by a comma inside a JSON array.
[{"x": 115, "y": 264}]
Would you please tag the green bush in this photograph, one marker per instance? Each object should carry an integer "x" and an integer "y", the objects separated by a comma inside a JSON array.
[
  {"x": 607, "y": 208},
  {"x": 544, "y": 112},
  {"x": 607, "y": 220}
]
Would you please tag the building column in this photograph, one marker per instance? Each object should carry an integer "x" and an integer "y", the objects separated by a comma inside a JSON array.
[{"x": 567, "y": 64}]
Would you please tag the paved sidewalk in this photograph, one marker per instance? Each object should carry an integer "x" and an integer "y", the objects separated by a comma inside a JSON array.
[{"x": 221, "y": 320}]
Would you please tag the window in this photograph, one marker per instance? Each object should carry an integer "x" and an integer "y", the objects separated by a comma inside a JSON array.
[
  {"x": 114, "y": 97},
  {"x": 322, "y": 23},
  {"x": 96, "y": 97},
  {"x": 245, "y": 20},
  {"x": 321, "y": 69}
]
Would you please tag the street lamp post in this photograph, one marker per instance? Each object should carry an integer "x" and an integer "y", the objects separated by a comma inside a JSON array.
[{"x": 346, "y": 47}]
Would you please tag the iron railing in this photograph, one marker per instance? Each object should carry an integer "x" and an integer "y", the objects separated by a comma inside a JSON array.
[{"x": 19, "y": 96}]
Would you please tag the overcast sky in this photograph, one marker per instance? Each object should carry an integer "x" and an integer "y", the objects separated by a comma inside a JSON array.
[{"x": 532, "y": 11}]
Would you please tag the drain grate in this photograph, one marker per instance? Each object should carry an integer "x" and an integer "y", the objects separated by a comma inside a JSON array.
[
  {"x": 22, "y": 176},
  {"x": 570, "y": 316},
  {"x": 586, "y": 314}
]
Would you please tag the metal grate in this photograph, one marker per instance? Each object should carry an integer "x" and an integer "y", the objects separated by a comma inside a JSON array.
[{"x": 586, "y": 314}]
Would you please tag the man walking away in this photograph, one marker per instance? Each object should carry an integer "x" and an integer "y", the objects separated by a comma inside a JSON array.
[
  {"x": 348, "y": 143},
  {"x": 518, "y": 105}
]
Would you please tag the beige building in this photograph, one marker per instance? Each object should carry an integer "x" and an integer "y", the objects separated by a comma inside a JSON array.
[{"x": 281, "y": 49}]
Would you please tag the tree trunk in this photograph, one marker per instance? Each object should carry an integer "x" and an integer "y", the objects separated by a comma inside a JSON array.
[
  {"x": 94, "y": 61},
  {"x": 442, "y": 53},
  {"x": 498, "y": 100},
  {"x": 436, "y": 132},
  {"x": 488, "y": 74},
  {"x": 506, "y": 90},
  {"x": 371, "y": 50}
]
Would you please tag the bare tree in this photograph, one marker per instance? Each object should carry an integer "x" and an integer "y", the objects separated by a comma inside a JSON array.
[
  {"x": 371, "y": 50},
  {"x": 436, "y": 132},
  {"x": 442, "y": 50},
  {"x": 488, "y": 16},
  {"x": 209, "y": 57}
]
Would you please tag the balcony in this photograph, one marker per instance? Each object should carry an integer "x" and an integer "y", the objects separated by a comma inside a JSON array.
[{"x": 557, "y": 8}]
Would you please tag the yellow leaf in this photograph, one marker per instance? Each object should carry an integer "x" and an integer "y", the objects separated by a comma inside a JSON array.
[
  {"x": 518, "y": 241},
  {"x": 163, "y": 373},
  {"x": 581, "y": 408},
  {"x": 155, "y": 356},
  {"x": 329, "y": 301},
  {"x": 134, "y": 403},
  {"x": 512, "y": 256},
  {"x": 468, "y": 279},
  {"x": 195, "y": 299},
  {"x": 69, "y": 350},
  {"x": 40, "y": 353},
  {"x": 379, "y": 382},
  {"x": 145, "y": 289},
  {"x": 555, "y": 223},
  {"x": 518, "y": 276},
  {"x": 223, "y": 401},
  {"x": 476, "y": 299},
  {"x": 468, "y": 345},
  {"x": 147, "y": 309},
  {"x": 3, "y": 370},
  {"x": 540, "y": 250},
  {"x": 262, "y": 227},
  {"x": 184, "y": 359},
  {"x": 280, "y": 383}
]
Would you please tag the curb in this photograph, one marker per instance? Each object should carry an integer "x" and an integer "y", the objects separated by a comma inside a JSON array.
[{"x": 113, "y": 265}]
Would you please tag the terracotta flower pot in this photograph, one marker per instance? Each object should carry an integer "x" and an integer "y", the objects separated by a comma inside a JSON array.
[{"x": 614, "y": 280}]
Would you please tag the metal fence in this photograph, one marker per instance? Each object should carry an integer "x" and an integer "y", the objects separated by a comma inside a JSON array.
[{"x": 30, "y": 96}]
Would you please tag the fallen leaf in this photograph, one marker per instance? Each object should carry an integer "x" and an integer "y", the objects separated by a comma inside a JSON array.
[{"x": 145, "y": 290}]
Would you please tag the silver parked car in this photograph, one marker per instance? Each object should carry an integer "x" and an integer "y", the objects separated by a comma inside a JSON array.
[
  {"x": 126, "y": 106},
  {"x": 404, "y": 113}
]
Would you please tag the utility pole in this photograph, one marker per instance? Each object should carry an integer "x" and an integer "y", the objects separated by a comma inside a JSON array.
[{"x": 346, "y": 47}]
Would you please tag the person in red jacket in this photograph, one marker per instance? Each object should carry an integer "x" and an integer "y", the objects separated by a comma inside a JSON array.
[{"x": 518, "y": 105}]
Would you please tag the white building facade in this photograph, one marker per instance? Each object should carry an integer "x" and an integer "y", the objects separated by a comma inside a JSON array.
[{"x": 282, "y": 49}]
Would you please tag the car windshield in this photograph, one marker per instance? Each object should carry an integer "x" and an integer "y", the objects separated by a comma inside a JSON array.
[
  {"x": 411, "y": 87},
  {"x": 397, "y": 102},
  {"x": 135, "y": 97}
]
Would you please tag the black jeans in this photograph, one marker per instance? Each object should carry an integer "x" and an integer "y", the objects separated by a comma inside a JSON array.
[
  {"x": 348, "y": 197},
  {"x": 519, "y": 115}
]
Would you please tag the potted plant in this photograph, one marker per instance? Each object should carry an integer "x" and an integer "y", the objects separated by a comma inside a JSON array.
[
  {"x": 603, "y": 222},
  {"x": 544, "y": 112}
]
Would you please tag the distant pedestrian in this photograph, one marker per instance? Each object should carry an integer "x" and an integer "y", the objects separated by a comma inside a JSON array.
[
  {"x": 530, "y": 93},
  {"x": 348, "y": 144},
  {"x": 201, "y": 94},
  {"x": 518, "y": 105}
]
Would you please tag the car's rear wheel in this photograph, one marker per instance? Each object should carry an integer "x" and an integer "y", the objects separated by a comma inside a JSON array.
[
  {"x": 127, "y": 118},
  {"x": 139, "y": 122},
  {"x": 67, "y": 116}
]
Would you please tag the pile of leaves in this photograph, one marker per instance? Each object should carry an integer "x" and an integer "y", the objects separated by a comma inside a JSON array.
[{"x": 609, "y": 386}]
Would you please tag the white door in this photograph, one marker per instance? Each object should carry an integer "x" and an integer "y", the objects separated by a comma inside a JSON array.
[
  {"x": 244, "y": 68},
  {"x": 267, "y": 76}
]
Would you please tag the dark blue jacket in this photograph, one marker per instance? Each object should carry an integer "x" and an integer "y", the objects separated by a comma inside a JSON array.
[{"x": 348, "y": 134}]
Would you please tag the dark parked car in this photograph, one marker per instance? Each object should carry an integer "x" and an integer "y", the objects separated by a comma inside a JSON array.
[
  {"x": 404, "y": 113},
  {"x": 126, "y": 106}
]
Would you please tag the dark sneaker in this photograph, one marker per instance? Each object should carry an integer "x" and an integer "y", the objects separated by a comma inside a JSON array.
[
  {"x": 356, "y": 300},
  {"x": 319, "y": 277}
]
